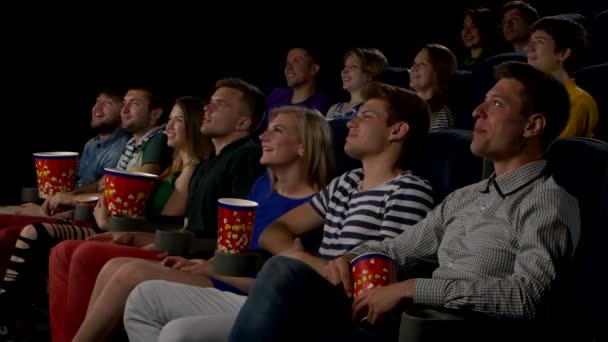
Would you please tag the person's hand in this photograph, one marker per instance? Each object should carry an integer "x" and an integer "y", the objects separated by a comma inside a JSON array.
[
  {"x": 57, "y": 203},
  {"x": 119, "y": 238},
  {"x": 100, "y": 212},
  {"x": 176, "y": 262},
  {"x": 199, "y": 267},
  {"x": 30, "y": 209},
  {"x": 101, "y": 184},
  {"x": 338, "y": 273},
  {"x": 375, "y": 303}
]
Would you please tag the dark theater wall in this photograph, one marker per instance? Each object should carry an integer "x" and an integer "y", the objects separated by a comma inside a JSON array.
[{"x": 53, "y": 60}]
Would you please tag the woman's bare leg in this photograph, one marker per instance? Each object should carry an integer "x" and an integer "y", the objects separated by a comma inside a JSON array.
[{"x": 107, "y": 272}]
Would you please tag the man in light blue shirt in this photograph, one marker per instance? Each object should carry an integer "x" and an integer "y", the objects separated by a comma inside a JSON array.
[{"x": 105, "y": 149}]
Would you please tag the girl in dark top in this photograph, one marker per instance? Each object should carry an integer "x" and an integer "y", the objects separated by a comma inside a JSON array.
[{"x": 478, "y": 36}]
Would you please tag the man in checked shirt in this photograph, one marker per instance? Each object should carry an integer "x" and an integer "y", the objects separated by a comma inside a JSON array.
[{"x": 497, "y": 245}]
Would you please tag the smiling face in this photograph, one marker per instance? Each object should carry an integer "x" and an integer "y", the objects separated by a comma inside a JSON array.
[
  {"x": 105, "y": 114},
  {"x": 471, "y": 37},
  {"x": 136, "y": 114},
  {"x": 281, "y": 143},
  {"x": 422, "y": 75},
  {"x": 176, "y": 128},
  {"x": 542, "y": 54},
  {"x": 300, "y": 68},
  {"x": 353, "y": 76}
]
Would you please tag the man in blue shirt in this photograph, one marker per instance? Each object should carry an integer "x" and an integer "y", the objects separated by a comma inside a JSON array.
[
  {"x": 105, "y": 149},
  {"x": 99, "y": 152}
]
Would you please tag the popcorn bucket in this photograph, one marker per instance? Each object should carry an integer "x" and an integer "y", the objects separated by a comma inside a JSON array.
[
  {"x": 235, "y": 224},
  {"x": 55, "y": 172},
  {"x": 372, "y": 270},
  {"x": 126, "y": 192}
]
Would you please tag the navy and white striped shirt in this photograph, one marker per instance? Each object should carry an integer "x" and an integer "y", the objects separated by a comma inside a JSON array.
[{"x": 353, "y": 217}]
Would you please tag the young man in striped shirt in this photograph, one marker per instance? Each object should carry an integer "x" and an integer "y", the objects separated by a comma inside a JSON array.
[{"x": 374, "y": 203}]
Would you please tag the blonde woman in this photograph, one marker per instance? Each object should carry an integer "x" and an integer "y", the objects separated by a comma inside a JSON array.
[
  {"x": 298, "y": 152},
  {"x": 361, "y": 66}
]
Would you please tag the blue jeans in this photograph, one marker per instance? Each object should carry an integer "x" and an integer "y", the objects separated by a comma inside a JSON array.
[{"x": 291, "y": 302}]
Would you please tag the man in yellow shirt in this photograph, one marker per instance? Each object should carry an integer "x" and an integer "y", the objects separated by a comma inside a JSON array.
[{"x": 555, "y": 46}]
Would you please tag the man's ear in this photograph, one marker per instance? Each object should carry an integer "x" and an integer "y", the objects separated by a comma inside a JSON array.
[
  {"x": 243, "y": 124},
  {"x": 535, "y": 125},
  {"x": 399, "y": 131},
  {"x": 315, "y": 68},
  {"x": 156, "y": 114},
  {"x": 564, "y": 54}
]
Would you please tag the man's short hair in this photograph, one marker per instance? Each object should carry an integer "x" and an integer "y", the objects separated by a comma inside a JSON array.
[
  {"x": 530, "y": 13},
  {"x": 541, "y": 93},
  {"x": 252, "y": 98},
  {"x": 567, "y": 34},
  {"x": 313, "y": 53},
  {"x": 116, "y": 93},
  {"x": 155, "y": 95}
]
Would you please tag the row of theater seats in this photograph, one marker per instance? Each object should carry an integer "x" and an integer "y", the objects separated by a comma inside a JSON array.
[{"x": 580, "y": 165}]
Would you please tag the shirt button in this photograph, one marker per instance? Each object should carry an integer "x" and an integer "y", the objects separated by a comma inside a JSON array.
[
  {"x": 450, "y": 264},
  {"x": 483, "y": 207}
]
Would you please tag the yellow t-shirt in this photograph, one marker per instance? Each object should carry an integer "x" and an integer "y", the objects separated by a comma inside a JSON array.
[{"x": 583, "y": 112}]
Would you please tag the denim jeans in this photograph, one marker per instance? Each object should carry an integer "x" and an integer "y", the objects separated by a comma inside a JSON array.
[{"x": 291, "y": 302}]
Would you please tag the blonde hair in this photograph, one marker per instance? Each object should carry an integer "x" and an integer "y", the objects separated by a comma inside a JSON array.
[
  {"x": 314, "y": 133},
  {"x": 373, "y": 61}
]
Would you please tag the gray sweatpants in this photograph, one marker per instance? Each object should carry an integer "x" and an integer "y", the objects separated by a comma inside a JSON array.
[{"x": 158, "y": 310}]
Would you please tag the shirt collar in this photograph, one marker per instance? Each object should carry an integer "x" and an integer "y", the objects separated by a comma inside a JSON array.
[{"x": 515, "y": 180}]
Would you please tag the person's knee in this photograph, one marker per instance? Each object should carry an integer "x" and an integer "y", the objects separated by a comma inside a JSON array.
[
  {"x": 281, "y": 267},
  {"x": 196, "y": 329},
  {"x": 65, "y": 249},
  {"x": 113, "y": 266},
  {"x": 89, "y": 252},
  {"x": 28, "y": 232},
  {"x": 175, "y": 331},
  {"x": 138, "y": 297},
  {"x": 130, "y": 273},
  {"x": 9, "y": 234},
  {"x": 61, "y": 255}
]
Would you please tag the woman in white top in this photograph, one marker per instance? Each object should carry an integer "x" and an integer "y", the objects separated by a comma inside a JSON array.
[
  {"x": 361, "y": 66},
  {"x": 430, "y": 77}
]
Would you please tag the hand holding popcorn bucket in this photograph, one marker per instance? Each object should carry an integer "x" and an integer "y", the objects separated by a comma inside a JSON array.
[
  {"x": 372, "y": 270},
  {"x": 235, "y": 224},
  {"x": 126, "y": 193},
  {"x": 55, "y": 172}
]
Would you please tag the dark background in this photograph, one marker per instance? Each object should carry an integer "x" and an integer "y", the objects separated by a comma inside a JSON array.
[{"x": 55, "y": 59}]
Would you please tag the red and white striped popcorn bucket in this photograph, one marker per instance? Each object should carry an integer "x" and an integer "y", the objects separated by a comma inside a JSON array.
[
  {"x": 127, "y": 192},
  {"x": 55, "y": 172}
]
